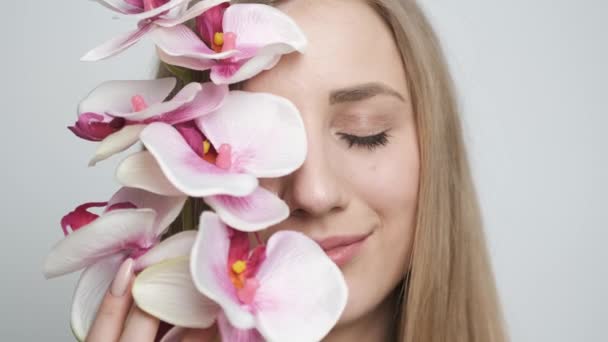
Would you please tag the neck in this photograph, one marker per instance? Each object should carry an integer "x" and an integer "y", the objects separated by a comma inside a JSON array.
[{"x": 376, "y": 325}]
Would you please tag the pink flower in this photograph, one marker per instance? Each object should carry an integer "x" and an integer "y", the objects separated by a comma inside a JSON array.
[
  {"x": 236, "y": 42},
  {"x": 251, "y": 135},
  {"x": 287, "y": 290},
  {"x": 116, "y": 112},
  {"x": 130, "y": 227},
  {"x": 151, "y": 15}
]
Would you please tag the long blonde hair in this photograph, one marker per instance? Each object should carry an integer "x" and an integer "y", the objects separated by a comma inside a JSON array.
[{"x": 449, "y": 293}]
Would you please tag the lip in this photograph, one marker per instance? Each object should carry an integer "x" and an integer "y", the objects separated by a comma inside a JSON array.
[{"x": 342, "y": 249}]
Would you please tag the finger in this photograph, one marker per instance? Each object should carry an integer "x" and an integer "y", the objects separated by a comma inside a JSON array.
[
  {"x": 140, "y": 326},
  {"x": 114, "y": 307}
]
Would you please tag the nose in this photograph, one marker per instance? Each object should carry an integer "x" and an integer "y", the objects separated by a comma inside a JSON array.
[{"x": 315, "y": 189}]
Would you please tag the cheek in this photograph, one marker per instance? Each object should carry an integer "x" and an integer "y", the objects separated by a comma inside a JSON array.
[
  {"x": 388, "y": 179},
  {"x": 387, "y": 183}
]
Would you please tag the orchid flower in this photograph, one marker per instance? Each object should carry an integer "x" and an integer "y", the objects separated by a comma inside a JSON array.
[
  {"x": 286, "y": 290},
  {"x": 116, "y": 112},
  {"x": 129, "y": 227},
  {"x": 151, "y": 15},
  {"x": 220, "y": 155},
  {"x": 236, "y": 42}
]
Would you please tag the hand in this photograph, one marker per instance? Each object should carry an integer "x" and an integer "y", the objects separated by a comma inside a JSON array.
[{"x": 119, "y": 319}]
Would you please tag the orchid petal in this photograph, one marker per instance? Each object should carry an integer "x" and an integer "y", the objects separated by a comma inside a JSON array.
[
  {"x": 251, "y": 213},
  {"x": 191, "y": 13},
  {"x": 167, "y": 208},
  {"x": 209, "y": 269},
  {"x": 140, "y": 170},
  {"x": 278, "y": 146},
  {"x": 166, "y": 291},
  {"x": 193, "y": 63},
  {"x": 117, "y": 44},
  {"x": 175, "y": 334},
  {"x": 186, "y": 170},
  {"x": 116, "y": 143},
  {"x": 181, "y": 41},
  {"x": 186, "y": 95},
  {"x": 194, "y": 100},
  {"x": 170, "y": 6},
  {"x": 92, "y": 287},
  {"x": 261, "y": 25},
  {"x": 317, "y": 290},
  {"x": 115, "y": 96},
  {"x": 246, "y": 70},
  {"x": 120, "y": 6},
  {"x": 107, "y": 235},
  {"x": 230, "y": 333},
  {"x": 175, "y": 246}
]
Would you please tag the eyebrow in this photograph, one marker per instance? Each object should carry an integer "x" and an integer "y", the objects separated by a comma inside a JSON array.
[{"x": 362, "y": 92}]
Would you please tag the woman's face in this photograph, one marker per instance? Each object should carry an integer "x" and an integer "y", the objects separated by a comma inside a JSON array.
[{"x": 356, "y": 192}]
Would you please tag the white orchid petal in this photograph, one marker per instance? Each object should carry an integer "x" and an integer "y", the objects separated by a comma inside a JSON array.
[
  {"x": 247, "y": 70},
  {"x": 166, "y": 291},
  {"x": 179, "y": 40},
  {"x": 230, "y": 333},
  {"x": 192, "y": 12},
  {"x": 258, "y": 25},
  {"x": 117, "y": 44},
  {"x": 175, "y": 246},
  {"x": 116, "y": 142},
  {"x": 115, "y": 96},
  {"x": 193, "y": 63},
  {"x": 170, "y": 6},
  {"x": 186, "y": 170},
  {"x": 297, "y": 279},
  {"x": 107, "y": 235},
  {"x": 276, "y": 148},
  {"x": 167, "y": 208},
  {"x": 140, "y": 170},
  {"x": 209, "y": 269},
  {"x": 120, "y": 6},
  {"x": 251, "y": 213}
]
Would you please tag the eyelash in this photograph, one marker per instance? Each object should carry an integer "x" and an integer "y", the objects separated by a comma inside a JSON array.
[{"x": 371, "y": 141}]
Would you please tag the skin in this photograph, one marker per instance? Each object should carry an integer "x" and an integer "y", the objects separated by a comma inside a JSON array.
[
  {"x": 350, "y": 82},
  {"x": 343, "y": 190}
]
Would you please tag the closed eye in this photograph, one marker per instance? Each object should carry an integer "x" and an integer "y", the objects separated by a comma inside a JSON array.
[{"x": 371, "y": 141}]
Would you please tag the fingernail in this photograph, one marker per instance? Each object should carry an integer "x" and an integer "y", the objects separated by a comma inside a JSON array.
[{"x": 122, "y": 279}]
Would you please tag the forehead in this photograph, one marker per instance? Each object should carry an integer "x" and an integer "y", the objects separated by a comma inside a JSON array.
[{"x": 348, "y": 44}]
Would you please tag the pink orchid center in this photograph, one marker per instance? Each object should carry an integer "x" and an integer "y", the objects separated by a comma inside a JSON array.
[
  {"x": 243, "y": 265},
  {"x": 96, "y": 127},
  {"x": 137, "y": 251},
  {"x": 81, "y": 217},
  {"x": 224, "y": 157},
  {"x": 152, "y": 4},
  {"x": 138, "y": 103},
  {"x": 224, "y": 41},
  {"x": 246, "y": 287}
]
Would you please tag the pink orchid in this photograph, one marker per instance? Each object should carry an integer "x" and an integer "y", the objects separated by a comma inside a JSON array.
[
  {"x": 220, "y": 156},
  {"x": 130, "y": 227},
  {"x": 116, "y": 112},
  {"x": 287, "y": 290},
  {"x": 236, "y": 42},
  {"x": 151, "y": 15}
]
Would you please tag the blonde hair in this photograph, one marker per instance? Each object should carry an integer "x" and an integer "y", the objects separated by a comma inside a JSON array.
[{"x": 449, "y": 293}]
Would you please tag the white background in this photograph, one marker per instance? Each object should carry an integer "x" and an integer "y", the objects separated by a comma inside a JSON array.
[{"x": 531, "y": 76}]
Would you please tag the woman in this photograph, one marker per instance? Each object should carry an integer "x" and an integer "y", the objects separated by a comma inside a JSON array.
[{"x": 386, "y": 182}]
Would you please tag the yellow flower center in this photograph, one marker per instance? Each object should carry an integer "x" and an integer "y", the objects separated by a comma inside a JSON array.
[
  {"x": 239, "y": 267},
  {"x": 218, "y": 38},
  {"x": 206, "y": 146}
]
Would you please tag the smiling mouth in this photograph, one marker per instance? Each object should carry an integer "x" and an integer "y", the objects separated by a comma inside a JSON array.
[{"x": 342, "y": 249}]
